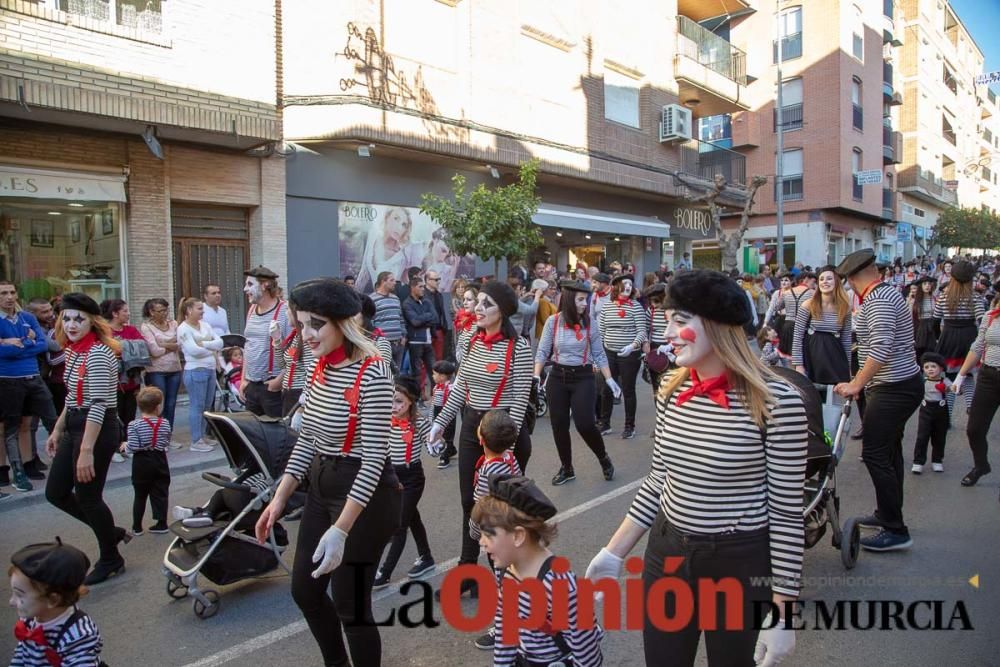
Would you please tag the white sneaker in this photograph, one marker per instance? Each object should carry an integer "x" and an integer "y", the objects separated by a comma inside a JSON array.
[
  {"x": 201, "y": 446},
  {"x": 938, "y": 467},
  {"x": 174, "y": 446},
  {"x": 916, "y": 468},
  {"x": 180, "y": 513},
  {"x": 117, "y": 458}
]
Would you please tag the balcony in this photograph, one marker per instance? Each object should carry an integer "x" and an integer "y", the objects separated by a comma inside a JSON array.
[
  {"x": 699, "y": 10},
  {"x": 704, "y": 160},
  {"x": 986, "y": 175},
  {"x": 888, "y": 148},
  {"x": 709, "y": 70},
  {"x": 858, "y": 116},
  {"x": 889, "y": 35},
  {"x": 924, "y": 184},
  {"x": 888, "y": 212},
  {"x": 791, "y": 47},
  {"x": 791, "y": 117}
]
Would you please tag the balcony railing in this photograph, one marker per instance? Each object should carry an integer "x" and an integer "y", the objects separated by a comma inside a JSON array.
[
  {"x": 791, "y": 47},
  {"x": 791, "y": 117},
  {"x": 923, "y": 179},
  {"x": 888, "y": 149},
  {"x": 705, "y": 160},
  {"x": 710, "y": 50},
  {"x": 887, "y": 73},
  {"x": 887, "y": 8},
  {"x": 887, "y": 210},
  {"x": 859, "y": 116},
  {"x": 791, "y": 186}
]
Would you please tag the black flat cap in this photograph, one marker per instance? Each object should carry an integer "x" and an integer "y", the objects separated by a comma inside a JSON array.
[
  {"x": 602, "y": 278},
  {"x": 573, "y": 286},
  {"x": 261, "y": 271},
  {"x": 53, "y": 563},
  {"x": 409, "y": 385},
  {"x": 709, "y": 294},
  {"x": 623, "y": 276},
  {"x": 933, "y": 358},
  {"x": 963, "y": 271},
  {"x": 522, "y": 493},
  {"x": 503, "y": 295},
  {"x": 655, "y": 291},
  {"x": 80, "y": 301},
  {"x": 856, "y": 261},
  {"x": 925, "y": 279}
]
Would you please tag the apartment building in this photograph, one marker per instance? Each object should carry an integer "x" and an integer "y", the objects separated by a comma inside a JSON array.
[
  {"x": 136, "y": 142},
  {"x": 388, "y": 100}
]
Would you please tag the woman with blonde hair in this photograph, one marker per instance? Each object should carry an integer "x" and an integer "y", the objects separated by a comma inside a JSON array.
[
  {"x": 86, "y": 434},
  {"x": 723, "y": 497},
  {"x": 389, "y": 249},
  {"x": 821, "y": 347}
]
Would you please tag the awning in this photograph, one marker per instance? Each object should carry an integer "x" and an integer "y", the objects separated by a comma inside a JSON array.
[
  {"x": 589, "y": 220},
  {"x": 54, "y": 184}
]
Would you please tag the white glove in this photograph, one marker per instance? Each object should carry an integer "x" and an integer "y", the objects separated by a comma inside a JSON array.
[
  {"x": 435, "y": 448},
  {"x": 774, "y": 645},
  {"x": 329, "y": 552},
  {"x": 616, "y": 391},
  {"x": 627, "y": 350},
  {"x": 296, "y": 423},
  {"x": 605, "y": 565},
  {"x": 437, "y": 431},
  {"x": 274, "y": 330},
  {"x": 665, "y": 349},
  {"x": 956, "y": 385}
]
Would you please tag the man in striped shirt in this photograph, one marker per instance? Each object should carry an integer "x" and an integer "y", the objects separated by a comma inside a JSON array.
[
  {"x": 267, "y": 324},
  {"x": 890, "y": 377},
  {"x": 389, "y": 314}
]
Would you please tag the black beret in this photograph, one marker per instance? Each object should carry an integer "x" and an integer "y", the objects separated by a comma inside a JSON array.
[
  {"x": 856, "y": 261},
  {"x": 709, "y": 294},
  {"x": 80, "y": 301},
  {"x": 53, "y": 563},
  {"x": 261, "y": 271},
  {"x": 623, "y": 276},
  {"x": 823, "y": 269},
  {"x": 503, "y": 295},
  {"x": 925, "y": 279},
  {"x": 963, "y": 271},
  {"x": 521, "y": 493},
  {"x": 573, "y": 286},
  {"x": 655, "y": 290},
  {"x": 367, "y": 307},
  {"x": 326, "y": 297},
  {"x": 933, "y": 358},
  {"x": 602, "y": 278},
  {"x": 409, "y": 385}
]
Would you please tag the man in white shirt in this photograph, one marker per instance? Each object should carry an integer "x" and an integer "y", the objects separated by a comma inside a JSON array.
[{"x": 215, "y": 314}]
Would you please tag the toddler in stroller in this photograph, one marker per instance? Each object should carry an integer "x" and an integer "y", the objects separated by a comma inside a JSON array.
[
  {"x": 217, "y": 540},
  {"x": 231, "y": 372}
]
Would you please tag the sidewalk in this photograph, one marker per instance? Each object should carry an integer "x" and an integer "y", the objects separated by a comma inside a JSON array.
[{"x": 120, "y": 474}]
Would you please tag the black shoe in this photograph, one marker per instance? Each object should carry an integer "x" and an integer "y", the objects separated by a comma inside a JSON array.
[
  {"x": 608, "y": 468},
  {"x": 122, "y": 535},
  {"x": 604, "y": 428},
  {"x": 468, "y": 586},
  {"x": 444, "y": 462},
  {"x": 886, "y": 540},
  {"x": 21, "y": 481},
  {"x": 39, "y": 464},
  {"x": 137, "y": 531},
  {"x": 974, "y": 475},
  {"x": 104, "y": 571},
  {"x": 486, "y": 641},
  {"x": 381, "y": 581},
  {"x": 4, "y": 475},
  {"x": 159, "y": 528},
  {"x": 421, "y": 566},
  {"x": 870, "y": 521},
  {"x": 32, "y": 471},
  {"x": 563, "y": 476},
  {"x": 628, "y": 433}
]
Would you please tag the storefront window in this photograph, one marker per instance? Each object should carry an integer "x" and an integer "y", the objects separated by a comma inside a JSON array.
[{"x": 49, "y": 247}]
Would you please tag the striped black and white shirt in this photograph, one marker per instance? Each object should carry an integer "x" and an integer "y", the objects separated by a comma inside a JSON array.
[
  {"x": 538, "y": 645},
  {"x": 148, "y": 434},
  {"x": 715, "y": 472},
  {"x": 562, "y": 347},
  {"x": 885, "y": 333},
  {"x": 966, "y": 309},
  {"x": 384, "y": 348},
  {"x": 925, "y": 308},
  {"x": 295, "y": 368},
  {"x": 987, "y": 344},
  {"x": 657, "y": 326},
  {"x": 397, "y": 442},
  {"x": 325, "y": 419},
  {"x": 486, "y": 467},
  {"x": 792, "y": 300},
  {"x": 260, "y": 360},
  {"x": 622, "y": 324},
  {"x": 441, "y": 393},
  {"x": 827, "y": 324},
  {"x": 80, "y": 645},
  {"x": 479, "y": 378},
  {"x": 462, "y": 341},
  {"x": 98, "y": 368},
  {"x": 388, "y": 315}
]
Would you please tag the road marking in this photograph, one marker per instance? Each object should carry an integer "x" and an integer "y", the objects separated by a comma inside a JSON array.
[{"x": 297, "y": 627}]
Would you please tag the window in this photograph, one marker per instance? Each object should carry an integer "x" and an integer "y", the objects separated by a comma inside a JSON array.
[
  {"x": 947, "y": 131},
  {"x": 791, "y": 179},
  {"x": 791, "y": 111},
  {"x": 857, "y": 190},
  {"x": 716, "y": 130},
  {"x": 621, "y": 98},
  {"x": 142, "y": 15},
  {"x": 790, "y": 33},
  {"x": 919, "y": 212},
  {"x": 856, "y": 106},
  {"x": 858, "y": 35}
]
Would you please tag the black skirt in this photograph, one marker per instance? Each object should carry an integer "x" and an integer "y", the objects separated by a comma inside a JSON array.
[
  {"x": 825, "y": 359},
  {"x": 786, "y": 334},
  {"x": 926, "y": 334},
  {"x": 957, "y": 337}
]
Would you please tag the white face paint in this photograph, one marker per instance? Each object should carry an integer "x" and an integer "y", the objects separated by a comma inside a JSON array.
[
  {"x": 581, "y": 302},
  {"x": 252, "y": 289},
  {"x": 76, "y": 324},
  {"x": 626, "y": 287},
  {"x": 319, "y": 333},
  {"x": 686, "y": 332}
]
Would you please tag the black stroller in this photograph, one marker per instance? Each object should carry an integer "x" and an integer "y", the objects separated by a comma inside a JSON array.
[
  {"x": 822, "y": 504},
  {"x": 226, "y": 551},
  {"x": 228, "y": 398}
]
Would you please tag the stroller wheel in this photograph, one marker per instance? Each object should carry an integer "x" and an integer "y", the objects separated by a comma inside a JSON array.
[
  {"x": 176, "y": 590},
  {"x": 203, "y": 611},
  {"x": 542, "y": 406},
  {"x": 851, "y": 543}
]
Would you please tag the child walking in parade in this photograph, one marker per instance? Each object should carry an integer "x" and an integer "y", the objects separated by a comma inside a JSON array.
[
  {"x": 46, "y": 582},
  {"x": 935, "y": 414},
  {"x": 148, "y": 443},
  {"x": 767, "y": 340},
  {"x": 516, "y": 534},
  {"x": 444, "y": 379}
]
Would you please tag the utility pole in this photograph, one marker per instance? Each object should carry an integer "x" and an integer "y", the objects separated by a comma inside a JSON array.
[{"x": 779, "y": 170}]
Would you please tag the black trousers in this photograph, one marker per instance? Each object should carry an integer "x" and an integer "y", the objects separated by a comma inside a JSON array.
[
  {"x": 85, "y": 501},
  {"x": 624, "y": 371},
  {"x": 289, "y": 400},
  {"x": 932, "y": 427},
  {"x": 151, "y": 481},
  {"x": 469, "y": 451},
  {"x": 984, "y": 407},
  {"x": 349, "y": 612},
  {"x": 422, "y": 363},
  {"x": 743, "y": 556},
  {"x": 889, "y": 407},
  {"x": 570, "y": 390},
  {"x": 413, "y": 480},
  {"x": 261, "y": 401},
  {"x": 449, "y": 433}
]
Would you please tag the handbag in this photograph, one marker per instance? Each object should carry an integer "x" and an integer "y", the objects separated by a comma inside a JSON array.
[{"x": 135, "y": 355}]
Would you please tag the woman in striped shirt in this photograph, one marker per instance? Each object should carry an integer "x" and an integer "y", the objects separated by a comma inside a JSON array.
[
  {"x": 726, "y": 483},
  {"x": 382, "y": 343},
  {"x": 86, "y": 435},
  {"x": 925, "y": 325},
  {"x": 821, "y": 347},
  {"x": 353, "y": 503},
  {"x": 296, "y": 357},
  {"x": 791, "y": 300},
  {"x": 495, "y": 373},
  {"x": 657, "y": 350},
  {"x": 573, "y": 342},
  {"x": 623, "y": 330},
  {"x": 960, "y": 311}
]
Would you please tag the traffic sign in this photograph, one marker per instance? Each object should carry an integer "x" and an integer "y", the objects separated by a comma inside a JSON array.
[{"x": 868, "y": 177}]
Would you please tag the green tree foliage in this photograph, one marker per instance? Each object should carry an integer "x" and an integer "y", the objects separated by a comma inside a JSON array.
[
  {"x": 492, "y": 224},
  {"x": 969, "y": 228}
]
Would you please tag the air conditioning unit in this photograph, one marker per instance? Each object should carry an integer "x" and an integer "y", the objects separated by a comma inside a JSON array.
[{"x": 675, "y": 123}]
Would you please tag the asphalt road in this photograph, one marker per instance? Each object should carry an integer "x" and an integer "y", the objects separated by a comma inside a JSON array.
[{"x": 956, "y": 536}]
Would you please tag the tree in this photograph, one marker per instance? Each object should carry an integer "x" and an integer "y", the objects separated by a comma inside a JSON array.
[
  {"x": 729, "y": 243},
  {"x": 492, "y": 224},
  {"x": 967, "y": 228}
]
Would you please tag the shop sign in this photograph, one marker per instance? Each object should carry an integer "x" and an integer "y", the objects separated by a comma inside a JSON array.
[
  {"x": 904, "y": 232},
  {"x": 868, "y": 177},
  {"x": 692, "y": 223},
  {"x": 918, "y": 231},
  {"x": 71, "y": 186}
]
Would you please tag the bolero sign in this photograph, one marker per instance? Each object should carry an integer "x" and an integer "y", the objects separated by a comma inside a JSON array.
[{"x": 691, "y": 223}]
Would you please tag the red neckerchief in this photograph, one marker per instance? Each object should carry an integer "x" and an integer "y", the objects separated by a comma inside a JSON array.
[
  {"x": 378, "y": 333},
  {"x": 576, "y": 329},
  {"x": 990, "y": 316},
  {"x": 507, "y": 457},
  {"x": 331, "y": 359},
  {"x": 714, "y": 389},
  {"x": 406, "y": 428},
  {"x": 488, "y": 340},
  {"x": 36, "y": 635},
  {"x": 443, "y": 386},
  {"x": 622, "y": 303},
  {"x": 293, "y": 352},
  {"x": 865, "y": 291},
  {"x": 602, "y": 294},
  {"x": 464, "y": 319},
  {"x": 82, "y": 348}
]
